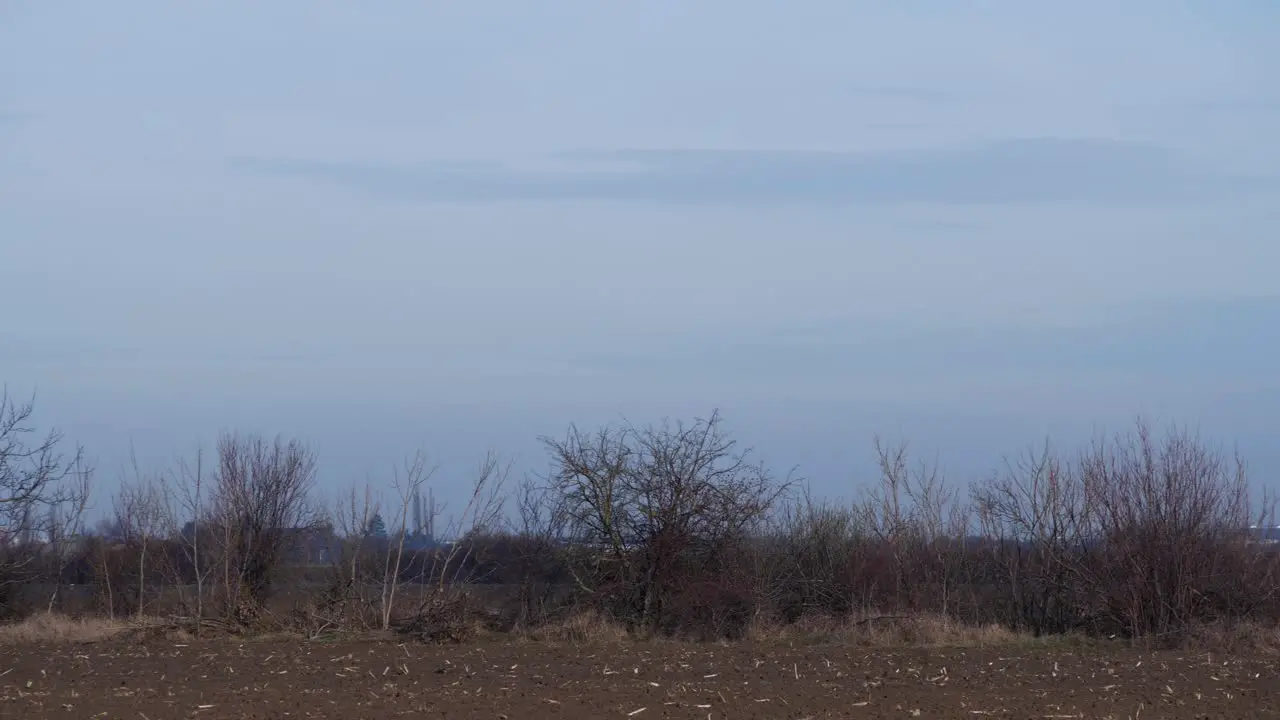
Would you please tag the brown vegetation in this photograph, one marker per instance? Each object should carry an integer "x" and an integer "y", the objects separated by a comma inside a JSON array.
[{"x": 667, "y": 530}]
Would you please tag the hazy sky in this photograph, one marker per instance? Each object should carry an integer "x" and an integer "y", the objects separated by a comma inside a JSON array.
[{"x": 379, "y": 226}]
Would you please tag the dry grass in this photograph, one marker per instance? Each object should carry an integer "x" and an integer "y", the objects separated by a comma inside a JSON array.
[
  {"x": 582, "y": 627},
  {"x": 931, "y": 631},
  {"x": 892, "y": 631},
  {"x": 1238, "y": 637},
  {"x": 878, "y": 631},
  {"x": 590, "y": 627},
  {"x": 54, "y": 628}
]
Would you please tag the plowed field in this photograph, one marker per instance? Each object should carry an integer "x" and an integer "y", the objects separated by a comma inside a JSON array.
[{"x": 260, "y": 679}]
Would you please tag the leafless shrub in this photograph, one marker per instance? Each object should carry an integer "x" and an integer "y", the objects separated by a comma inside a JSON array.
[
  {"x": 346, "y": 601},
  {"x": 920, "y": 522},
  {"x": 901, "y": 546},
  {"x": 260, "y": 496},
  {"x": 444, "y": 608},
  {"x": 1037, "y": 518},
  {"x": 674, "y": 530},
  {"x": 823, "y": 549},
  {"x": 533, "y": 553},
  {"x": 1140, "y": 537},
  {"x": 1167, "y": 534}
]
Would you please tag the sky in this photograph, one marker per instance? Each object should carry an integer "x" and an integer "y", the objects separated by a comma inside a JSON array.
[{"x": 384, "y": 227}]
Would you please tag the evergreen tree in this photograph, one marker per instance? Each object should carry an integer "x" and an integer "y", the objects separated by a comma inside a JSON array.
[{"x": 377, "y": 527}]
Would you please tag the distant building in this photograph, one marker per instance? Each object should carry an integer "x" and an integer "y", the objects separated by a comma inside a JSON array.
[
  {"x": 424, "y": 516},
  {"x": 1264, "y": 534},
  {"x": 310, "y": 546}
]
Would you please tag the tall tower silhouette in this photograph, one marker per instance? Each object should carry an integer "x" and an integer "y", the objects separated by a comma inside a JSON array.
[
  {"x": 417, "y": 512},
  {"x": 431, "y": 515}
]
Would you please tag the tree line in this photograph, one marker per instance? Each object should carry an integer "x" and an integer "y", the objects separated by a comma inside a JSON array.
[{"x": 671, "y": 528}]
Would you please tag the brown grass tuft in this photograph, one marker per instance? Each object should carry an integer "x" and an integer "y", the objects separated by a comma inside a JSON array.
[
  {"x": 1238, "y": 638},
  {"x": 582, "y": 627},
  {"x": 930, "y": 631},
  {"x": 54, "y": 628},
  {"x": 888, "y": 631}
]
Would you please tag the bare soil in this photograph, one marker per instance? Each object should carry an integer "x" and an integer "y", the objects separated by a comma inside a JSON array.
[{"x": 157, "y": 679}]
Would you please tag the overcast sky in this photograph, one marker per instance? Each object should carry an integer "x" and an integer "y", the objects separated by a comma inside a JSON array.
[{"x": 384, "y": 226}]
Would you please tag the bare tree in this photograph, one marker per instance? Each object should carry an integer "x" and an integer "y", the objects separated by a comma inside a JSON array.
[
  {"x": 140, "y": 514},
  {"x": 648, "y": 502},
  {"x": 104, "y": 532},
  {"x": 261, "y": 499},
  {"x": 44, "y": 487},
  {"x": 486, "y": 500},
  {"x": 407, "y": 483},
  {"x": 185, "y": 495}
]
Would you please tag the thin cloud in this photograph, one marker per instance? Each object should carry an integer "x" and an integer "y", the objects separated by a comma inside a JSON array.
[
  {"x": 915, "y": 94},
  {"x": 1201, "y": 339},
  {"x": 1007, "y": 172}
]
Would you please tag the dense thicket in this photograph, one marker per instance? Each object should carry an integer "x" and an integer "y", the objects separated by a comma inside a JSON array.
[{"x": 671, "y": 528}]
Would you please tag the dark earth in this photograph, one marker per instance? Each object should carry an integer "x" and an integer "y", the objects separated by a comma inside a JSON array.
[{"x": 159, "y": 679}]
